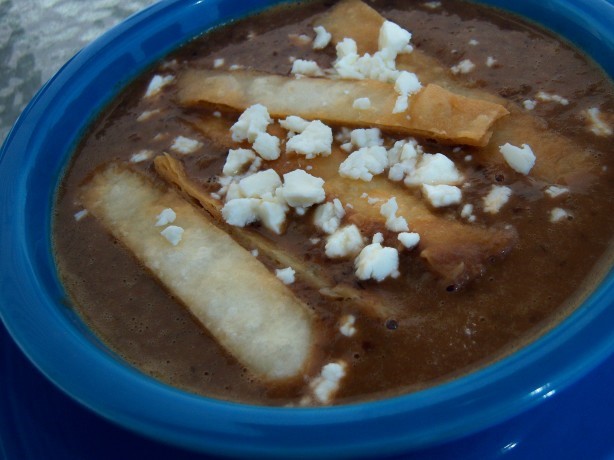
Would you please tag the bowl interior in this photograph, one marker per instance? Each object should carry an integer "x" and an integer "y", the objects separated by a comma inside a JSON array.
[{"x": 33, "y": 303}]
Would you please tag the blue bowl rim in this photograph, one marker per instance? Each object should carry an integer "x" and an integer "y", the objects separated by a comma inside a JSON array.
[{"x": 54, "y": 340}]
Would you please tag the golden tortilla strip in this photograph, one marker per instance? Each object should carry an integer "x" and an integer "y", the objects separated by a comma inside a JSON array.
[
  {"x": 558, "y": 159},
  {"x": 251, "y": 313},
  {"x": 433, "y": 111},
  {"x": 172, "y": 171}
]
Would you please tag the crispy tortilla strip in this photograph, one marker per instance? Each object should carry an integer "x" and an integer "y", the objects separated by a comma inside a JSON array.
[
  {"x": 252, "y": 314},
  {"x": 456, "y": 252},
  {"x": 172, "y": 171},
  {"x": 433, "y": 112},
  {"x": 559, "y": 160}
]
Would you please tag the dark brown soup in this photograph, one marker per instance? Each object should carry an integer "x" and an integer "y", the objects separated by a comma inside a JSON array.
[{"x": 506, "y": 247}]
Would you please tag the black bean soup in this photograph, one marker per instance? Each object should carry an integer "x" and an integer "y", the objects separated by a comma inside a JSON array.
[{"x": 429, "y": 329}]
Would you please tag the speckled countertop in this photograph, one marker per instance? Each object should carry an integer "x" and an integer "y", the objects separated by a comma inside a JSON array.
[{"x": 38, "y": 36}]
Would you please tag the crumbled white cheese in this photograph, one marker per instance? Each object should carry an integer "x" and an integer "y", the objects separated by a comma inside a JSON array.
[
  {"x": 241, "y": 212},
  {"x": 377, "y": 262},
  {"x": 236, "y": 67},
  {"x": 361, "y": 103},
  {"x": 315, "y": 139},
  {"x": 361, "y": 137},
  {"x": 554, "y": 191},
  {"x": 260, "y": 184},
  {"x": 219, "y": 62},
  {"x": 81, "y": 214},
  {"x": 217, "y": 114},
  {"x": 490, "y": 61},
  {"x": 157, "y": 83},
  {"x": 253, "y": 120},
  {"x": 558, "y": 214},
  {"x": 394, "y": 223},
  {"x": 322, "y": 38},
  {"x": 286, "y": 275},
  {"x": 294, "y": 124},
  {"x": 237, "y": 160},
  {"x": 345, "y": 241},
  {"x": 406, "y": 84},
  {"x": 393, "y": 39},
  {"x": 364, "y": 163},
  {"x": 173, "y": 234},
  {"x": 166, "y": 216},
  {"x": 141, "y": 155},
  {"x": 346, "y": 326},
  {"x": 597, "y": 125},
  {"x": 464, "y": 66},
  {"x": 442, "y": 195},
  {"x": 267, "y": 146},
  {"x": 255, "y": 252},
  {"x": 272, "y": 214},
  {"x": 468, "y": 158},
  {"x": 467, "y": 212},
  {"x": 327, "y": 383},
  {"x": 520, "y": 159},
  {"x": 529, "y": 104},
  {"x": 327, "y": 217},
  {"x": 496, "y": 198},
  {"x": 432, "y": 5},
  {"x": 301, "y": 189},
  {"x": 185, "y": 145},
  {"x": 434, "y": 169},
  {"x": 307, "y": 68},
  {"x": 473, "y": 42},
  {"x": 409, "y": 240},
  {"x": 547, "y": 97},
  {"x": 402, "y": 159}
]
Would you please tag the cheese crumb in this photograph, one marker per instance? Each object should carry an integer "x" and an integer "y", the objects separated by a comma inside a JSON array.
[
  {"x": 286, "y": 275},
  {"x": 362, "y": 137},
  {"x": 394, "y": 223},
  {"x": 558, "y": 214},
  {"x": 259, "y": 185},
  {"x": 490, "y": 61},
  {"x": 255, "y": 252},
  {"x": 267, "y": 146},
  {"x": 362, "y": 103},
  {"x": 307, "y": 68},
  {"x": 185, "y": 145},
  {"x": 241, "y": 212},
  {"x": 314, "y": 139},
  {"x": 442, "y": 195},
  {"x": 173, "y": 234},
  {"x": 432, "y": 5},
  {"x": 377, "y": 262},
  {"x": 409, "y": 240},
  {"x": 347, "y": 327},
  {"x": 327, "y": 216},
  {"x": 301, "y": 189},
  {"x": 596, "y": 124},
  {"x": 434, "y": 169},
  {"x": 322, "y": 38},
  {"x": 219, "y": 62},
  {"x": 463, "y": 67},
  {"x": 157, "y": 83},
  {"x": 406, "y": 84},
  {"x": 547, "y": 97},
  {"x": 237, "y": 160},
  {"x": 346, "y": 241},
  {"x": 253, "y": 120},
  {"x": 80, "y": 214},
  {"x": 554, "y": 191},
  {"x": 496, "y": 198},
  {"x": 529, "y": 104},
  {"x": 167, "y": 216},
  {"x": 364, "y": 163},
  {"x": 473, "y": 42},
  {"x": 467, "y": 212},
  {"x": 327, "y": 383},
  {"x": 142, "y": 155},
  {"x": 520, "y": 159}
]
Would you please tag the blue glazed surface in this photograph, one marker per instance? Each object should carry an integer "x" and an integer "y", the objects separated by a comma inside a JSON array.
[{"x": 55, "y": 340}]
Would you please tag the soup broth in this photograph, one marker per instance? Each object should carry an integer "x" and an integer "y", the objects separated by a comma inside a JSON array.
[{"x": 509, "y": 255}]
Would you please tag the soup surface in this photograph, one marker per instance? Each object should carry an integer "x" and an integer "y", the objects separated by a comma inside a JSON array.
[{"x": 496, "y": 246}]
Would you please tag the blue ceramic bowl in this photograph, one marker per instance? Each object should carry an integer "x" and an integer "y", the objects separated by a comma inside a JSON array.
[{"x": 60, "y": 345}]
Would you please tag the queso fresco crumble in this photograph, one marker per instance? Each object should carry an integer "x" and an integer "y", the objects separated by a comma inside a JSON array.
[{"x": 339, "y": 205}]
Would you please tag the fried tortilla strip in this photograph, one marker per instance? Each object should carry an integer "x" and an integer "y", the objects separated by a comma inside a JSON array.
[
  {"x": 172, "y": 171},
  {"x": 434, "y": 112},
  {"x": 559, "y": 160},
  {"x": 252, "y": 314}
]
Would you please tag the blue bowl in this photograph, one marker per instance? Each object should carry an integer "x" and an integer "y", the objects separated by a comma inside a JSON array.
[{"x": 32, "y": 300}]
